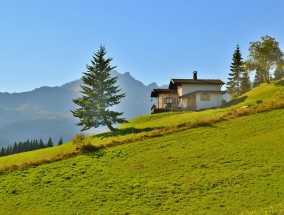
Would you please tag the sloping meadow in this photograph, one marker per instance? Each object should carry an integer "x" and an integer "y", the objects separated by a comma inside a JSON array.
[{"x": 220, "y": 161}]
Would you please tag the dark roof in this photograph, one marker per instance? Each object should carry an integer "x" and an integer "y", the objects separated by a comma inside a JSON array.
[
  {"x": 202, "y": 91},
  {"x": 177, "y": 82},
  {"x": 156, "y": 92}
]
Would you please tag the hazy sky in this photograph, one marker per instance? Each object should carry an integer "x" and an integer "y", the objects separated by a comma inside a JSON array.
[{"x": 49, "y": 42}]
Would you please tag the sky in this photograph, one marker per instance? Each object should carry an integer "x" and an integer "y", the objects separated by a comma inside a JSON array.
[{"x": 49, "y": 42}]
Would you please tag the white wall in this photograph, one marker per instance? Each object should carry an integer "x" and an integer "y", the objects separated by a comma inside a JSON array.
[
  {"x": 186, "y": 88},
  {"x": 215, "y": 101}
]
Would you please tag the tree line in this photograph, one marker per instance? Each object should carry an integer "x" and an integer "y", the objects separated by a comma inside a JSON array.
[
  {"x": 28, "y": 145},
  {"x": 265, "y": 59}
]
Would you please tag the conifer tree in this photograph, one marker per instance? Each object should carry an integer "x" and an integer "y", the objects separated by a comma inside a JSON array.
[
  {"x": 49, "y": 142},
  {"x": 245, "y": 83},
  {"x": 99, "y": 94},
  {"x": 234, "y": 83},
  {"x": 60, "y": 142},
  {"x": 2, "y": 152},
  {"x": 258, "y": 78},
  {"x": 41, "y": 144},
  {"x": 15, "y": 148},
  {"x": 278, "y": 74}
]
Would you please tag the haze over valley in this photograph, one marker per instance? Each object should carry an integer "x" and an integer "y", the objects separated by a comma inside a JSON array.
[{"x": 45, "y": 111}]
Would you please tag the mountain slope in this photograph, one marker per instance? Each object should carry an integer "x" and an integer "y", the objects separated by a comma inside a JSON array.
[
  {"x": 230, "y": 167},
  {"x": 34, "y": 114}
]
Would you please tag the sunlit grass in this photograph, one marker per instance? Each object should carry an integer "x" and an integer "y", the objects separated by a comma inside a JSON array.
[
  {"x": 150, "y": 126},
  {"x": 35, "y": 157},
  {"x": 219, "y": 161},
  {"x": 232, "y": 167}
]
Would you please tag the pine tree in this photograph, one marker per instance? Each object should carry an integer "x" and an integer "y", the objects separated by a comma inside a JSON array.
[
  {"x": 99, "y": 94},
  {"x": 2, "y": 152},
  {"x": 245, "y": 83},
  {"x": 60, "y": 142},
  {"x": 49, "y": 142},
  {"x": 234, "y": 83},
  {"x": 258, "y": 78},
  {"x": 15, "y": 148},
  {"x": 278, "y": 74},
  {"x": 41, "y": 144}
]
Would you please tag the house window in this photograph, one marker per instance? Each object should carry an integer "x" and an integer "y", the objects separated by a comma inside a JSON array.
[
  {"x": 205, "y": 97},
  {"x": 169, "y": 100}
]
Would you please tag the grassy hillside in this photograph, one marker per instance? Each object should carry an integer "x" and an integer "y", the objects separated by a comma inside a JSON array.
[
  {"x": 233, "y": 165},
  {"x": 138, "y": 127}
]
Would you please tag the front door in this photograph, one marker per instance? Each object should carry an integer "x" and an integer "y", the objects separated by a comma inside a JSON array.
[{"x": 191, "y": 102}]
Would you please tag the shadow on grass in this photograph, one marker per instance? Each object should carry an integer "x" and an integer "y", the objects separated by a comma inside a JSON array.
[
  {"x": 125, "y": 131},
  {"x": 279, "y": 83},
  {"x": 235, "y": 101}
]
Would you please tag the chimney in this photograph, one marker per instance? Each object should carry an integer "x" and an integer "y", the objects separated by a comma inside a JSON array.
[{"x": 195, "y": 75}]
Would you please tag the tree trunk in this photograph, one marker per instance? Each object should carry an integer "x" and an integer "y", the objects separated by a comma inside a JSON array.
[
  {"x": 110, "y": 127},
  {"x": 266, "y": 77}
]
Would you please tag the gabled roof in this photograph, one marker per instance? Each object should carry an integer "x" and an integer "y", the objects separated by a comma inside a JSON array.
[
  {"x": 177, "y": 82},
  {"x": 156, "y": 92}
]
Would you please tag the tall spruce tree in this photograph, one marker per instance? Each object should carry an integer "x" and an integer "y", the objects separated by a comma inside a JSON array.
[
  {"x": 99, "y": 94},
  {"x": 234, "y": 83}
]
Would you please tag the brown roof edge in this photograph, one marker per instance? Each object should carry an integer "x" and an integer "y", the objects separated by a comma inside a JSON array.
[
  {"x": 156, "y": 92},
  {"x": 176, "y": 82}
]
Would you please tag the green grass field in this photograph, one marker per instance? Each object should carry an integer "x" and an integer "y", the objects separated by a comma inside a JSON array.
[{"x": 234, "y": 166}]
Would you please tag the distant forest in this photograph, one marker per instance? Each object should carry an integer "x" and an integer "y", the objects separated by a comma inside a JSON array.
[{"x": 28, "y": 145}]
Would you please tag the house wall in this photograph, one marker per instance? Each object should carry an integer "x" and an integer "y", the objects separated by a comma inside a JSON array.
[
  {"x": 215, "y": 101},
  {"x": 187, "y": 88},
  {"x": 162, "y": 97},
  {"x": 179, "y": 91}
]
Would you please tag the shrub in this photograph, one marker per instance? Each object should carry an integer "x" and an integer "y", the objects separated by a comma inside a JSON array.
[{"x": 79, "y": 140}]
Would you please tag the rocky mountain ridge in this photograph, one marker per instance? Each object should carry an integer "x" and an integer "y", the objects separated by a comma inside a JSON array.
[{"x": 45, "y": 112}]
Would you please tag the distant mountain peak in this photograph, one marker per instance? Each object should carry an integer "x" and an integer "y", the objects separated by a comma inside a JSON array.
[
  {"x": 45, "y": 111},
  {"x": 153, "y": 85}
]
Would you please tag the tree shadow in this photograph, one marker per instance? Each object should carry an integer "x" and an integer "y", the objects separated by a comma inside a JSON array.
[
  {"x": 234, "y": 102},
  {"x": 279, "y": 83},
  {"x": 124, "y": 131}
]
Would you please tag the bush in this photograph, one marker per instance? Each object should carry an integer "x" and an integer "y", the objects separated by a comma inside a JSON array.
[
  {"x": 83, "y": 143},
  {"x": 79, "y": 140}
]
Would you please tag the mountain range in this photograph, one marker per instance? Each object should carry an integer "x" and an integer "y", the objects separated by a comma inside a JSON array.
[{"x": 45, "y": 112}]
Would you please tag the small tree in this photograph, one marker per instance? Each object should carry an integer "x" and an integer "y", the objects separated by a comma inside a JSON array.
[
  {"x": 279, "y": 73},
  {"x": 258, "y": 78},
  {"x": 41, "y": 144},
  {"x": 49, "y": 142},
  {"x": 99, "y": 94},
  {"x": 264, "y": 56},
  {"x": 60, "y": 142},
  {"x": 245, "y": 83},
  {"x": 234, "y": 83}
]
